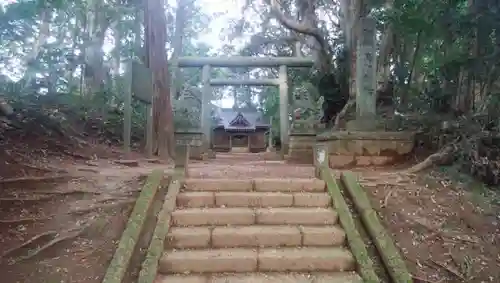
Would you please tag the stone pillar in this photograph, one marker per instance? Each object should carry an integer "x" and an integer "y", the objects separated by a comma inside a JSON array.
[
  {"x": 366, "y": 79},
  {"x": 283, "y": 79},
  {"x": 205, "y": 120},
  {"x": 127, "y": 120},
  {"x": 181, "y": 159},
  {"x": 149, "y": 131},
  {"x": 270, "y": 136},
  {"x": 321, "y": 158}
]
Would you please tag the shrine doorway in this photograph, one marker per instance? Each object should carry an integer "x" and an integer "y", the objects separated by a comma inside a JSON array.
[{"x": 239, "y": 141}]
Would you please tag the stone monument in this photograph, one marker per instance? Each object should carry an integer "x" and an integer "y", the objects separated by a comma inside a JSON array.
[
  {"x": 302, "y": 130},
  {"x": 364, "y": 142},
  {"x": 187, "y": 110}
]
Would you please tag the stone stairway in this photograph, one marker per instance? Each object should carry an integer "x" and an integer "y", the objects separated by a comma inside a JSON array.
[{"x": 262, "y": 230}]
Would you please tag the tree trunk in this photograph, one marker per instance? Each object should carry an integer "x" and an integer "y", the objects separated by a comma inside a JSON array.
[
  {"x": 73, "y": 60},
  {"x": 30, "y": 59},
  {"x": 180, "y": 15},
  {"x": 116, "y": 64},
  {"x": 96, "y": 25},
  {"x": 156, "y": 60}
]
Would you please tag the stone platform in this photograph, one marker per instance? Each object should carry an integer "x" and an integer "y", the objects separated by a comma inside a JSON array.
[{"x": 349, "y": 149}]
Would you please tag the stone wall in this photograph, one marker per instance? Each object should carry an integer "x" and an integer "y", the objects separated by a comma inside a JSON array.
[
  {"x": 351, "y": 149},
  {"x": 195, "y": 141}
]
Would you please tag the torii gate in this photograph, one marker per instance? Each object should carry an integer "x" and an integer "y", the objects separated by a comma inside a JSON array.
[{"x": 206, "y": 63}]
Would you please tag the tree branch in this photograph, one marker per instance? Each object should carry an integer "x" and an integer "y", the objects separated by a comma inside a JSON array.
[
  {"x": 256, "y": 41},
  {"x": 299, "y": 27}
]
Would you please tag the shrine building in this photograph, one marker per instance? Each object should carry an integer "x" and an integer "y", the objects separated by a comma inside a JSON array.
[{"x": 239, "y": 128}]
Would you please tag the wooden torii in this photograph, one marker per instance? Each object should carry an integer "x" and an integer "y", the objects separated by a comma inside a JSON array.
[{"x": 206, "y": 63}]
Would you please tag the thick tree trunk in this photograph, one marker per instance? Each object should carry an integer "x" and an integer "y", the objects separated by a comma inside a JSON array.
[{"x": 156, "y": 60}]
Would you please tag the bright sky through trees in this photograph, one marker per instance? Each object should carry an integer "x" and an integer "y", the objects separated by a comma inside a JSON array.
[{"x": 222, "y": 13}]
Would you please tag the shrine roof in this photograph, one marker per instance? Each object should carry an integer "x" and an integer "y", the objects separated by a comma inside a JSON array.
[{"x": 240, "y": 119}]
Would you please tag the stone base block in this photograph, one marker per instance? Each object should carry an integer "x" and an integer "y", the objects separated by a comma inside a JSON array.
[
  {"x": 204, "y": 156},
  {"x": 284, "y": 149},
  {"x": 211, "y": 154},
  {"x": 194, "y": 140},
  {"x": 196, "y": 152},
  {"x": 348, "y": 161},
  {"x": 257, "y": 149},
  {"x": 301, "y": 150},
  {"x": 359, "y": 149},
  {"x": 221, "y": 148},
  {"x": 302, "y": 156}
]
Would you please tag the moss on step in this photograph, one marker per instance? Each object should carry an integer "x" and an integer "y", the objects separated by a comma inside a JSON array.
[
  {"x": 358, "y": 249},
  {"x": 150, "y": 265},
  {"x": 390, "y": 255},
  {"x": 128, "y": 241}
]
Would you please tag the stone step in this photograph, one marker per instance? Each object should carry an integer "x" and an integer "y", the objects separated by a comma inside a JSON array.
[
  {"x": 306, "y": 259},
  {"x": 238, "y": 260},
  {"x": 289, "y": 185},
  {"x": 296, "y": 216},
  {"x": 259, "y": 185},
  {"x": 252, "y": 199},
  {"x": 218, "y": 185},
  {"x": 213, "y": 216},
  {"x": 254, "y": 236},
  {"x": 340, "y": 277},
  {"x": 247, "y": 216}
]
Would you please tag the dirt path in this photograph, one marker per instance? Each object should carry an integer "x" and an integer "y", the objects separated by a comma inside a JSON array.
[{"x": 67, "y": 230}]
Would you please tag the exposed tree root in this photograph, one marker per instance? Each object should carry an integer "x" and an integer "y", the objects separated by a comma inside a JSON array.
[
  {"x": 419, "y": 279},
  {"x": 53, "y": 238},
  {"x": 28, "y": 242},
  {"x": 26, "y": 199},
  {"x": 437, "y": 158},
  {"x": 68, "y": 192},
  {"x": 24, "y": 180},
  {"x": 448, "y": 268},
  {"x": 386, "y": 198},
  {"x": 101, "y": 206},
  {"x": 45, "y": 195},
  {"x": 88, "y": 170},
  {"x": 388, "y": 180},
  {"x": 26, "y": 220},
  {"x": 340, "y": 117},
  {"x": 77, "y": 211},
  {"x": 41, "y": 168},
  {"x": 77, "y": 155}
]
